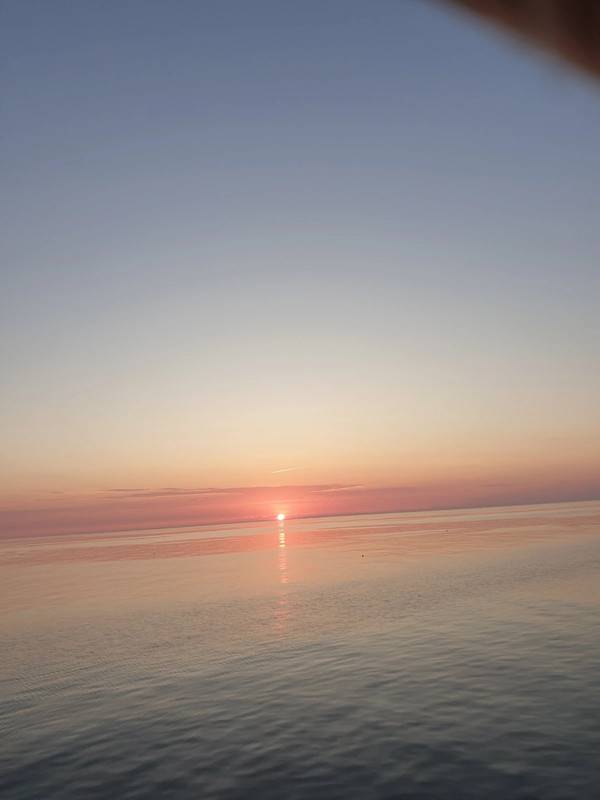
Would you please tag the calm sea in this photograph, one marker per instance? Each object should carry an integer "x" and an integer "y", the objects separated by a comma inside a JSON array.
[{"x": 431, "y": 655}]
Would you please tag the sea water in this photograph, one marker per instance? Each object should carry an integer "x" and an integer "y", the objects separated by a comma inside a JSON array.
[{"x": 423, "y": 655}]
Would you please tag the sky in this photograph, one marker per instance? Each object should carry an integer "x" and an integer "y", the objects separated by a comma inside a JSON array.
[{"x": 311, "y": 258}]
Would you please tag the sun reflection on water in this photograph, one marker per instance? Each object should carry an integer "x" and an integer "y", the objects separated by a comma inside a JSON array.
[{"x": 282, "y": 611}]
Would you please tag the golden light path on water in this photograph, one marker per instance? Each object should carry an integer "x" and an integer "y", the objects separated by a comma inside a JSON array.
[{"x": 283, "y": 606}]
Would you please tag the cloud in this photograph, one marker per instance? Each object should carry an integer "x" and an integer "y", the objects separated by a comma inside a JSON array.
[
  {"x": 170, "y": 491},
  {"x": 340, "y": 488},
  {"x": 125, "y": 491},
  {"x": 288, "y": 469}
]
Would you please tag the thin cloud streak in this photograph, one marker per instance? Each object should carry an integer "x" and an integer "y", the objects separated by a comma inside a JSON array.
[
  {"x": 350, "y": 488},
  {"x": 170, "y": 491},
  {"x": 288, "y": 469}
]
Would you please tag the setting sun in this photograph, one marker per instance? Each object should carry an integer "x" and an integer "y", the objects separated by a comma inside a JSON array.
[{"x": 280, "y": 517}]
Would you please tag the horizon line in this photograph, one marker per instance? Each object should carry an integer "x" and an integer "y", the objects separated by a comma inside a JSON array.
[{"x": 264, "y": 519}]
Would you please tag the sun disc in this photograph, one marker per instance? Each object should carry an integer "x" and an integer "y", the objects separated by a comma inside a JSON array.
[{"x": 280, "y": 517}]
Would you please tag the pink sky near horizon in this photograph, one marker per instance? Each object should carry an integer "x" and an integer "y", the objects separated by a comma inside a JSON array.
[{"x": 127, "y": 509}]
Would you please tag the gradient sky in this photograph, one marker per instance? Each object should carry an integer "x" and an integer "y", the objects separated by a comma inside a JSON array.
[{"x": 322, "y": 257}]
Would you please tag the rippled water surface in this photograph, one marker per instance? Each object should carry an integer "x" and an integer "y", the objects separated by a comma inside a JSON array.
[{"x": 433, "y": 655}]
